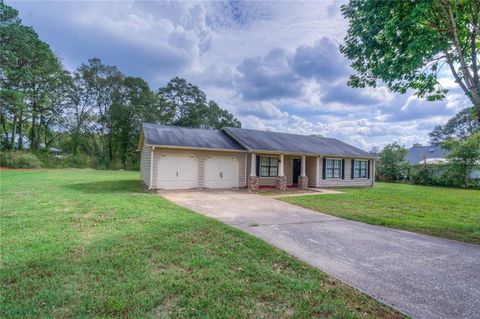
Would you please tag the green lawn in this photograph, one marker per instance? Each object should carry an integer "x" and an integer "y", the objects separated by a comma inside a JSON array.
[
  {"x": 445, "y": 212},
  {"x": 85, "y": 243}
]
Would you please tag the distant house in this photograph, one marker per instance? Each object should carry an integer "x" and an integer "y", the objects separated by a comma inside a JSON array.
[
  {"x": 429, "y": 154},
  {"x": 181, "y": 158},
  {"x": 6, "y": 138}
]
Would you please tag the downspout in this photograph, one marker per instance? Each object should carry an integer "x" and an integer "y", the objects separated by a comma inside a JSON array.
[
  {"x": 246, "y": 164},
  {"x": 151, "y": 168}
]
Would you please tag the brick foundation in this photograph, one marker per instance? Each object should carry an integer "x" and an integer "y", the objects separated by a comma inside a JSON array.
[
  {"x": 281, "y": 182},
  {"x": 302, "y": 182},
  {"x": 253, "y": 182}
]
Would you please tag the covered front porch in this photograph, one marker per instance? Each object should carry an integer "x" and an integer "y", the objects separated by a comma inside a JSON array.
[{"x": 282, "y": 171}]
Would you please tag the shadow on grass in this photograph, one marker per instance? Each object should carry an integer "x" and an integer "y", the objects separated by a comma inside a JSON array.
[{"x": 115, "y": 186}]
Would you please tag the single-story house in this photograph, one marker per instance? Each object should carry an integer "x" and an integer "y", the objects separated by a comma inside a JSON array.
[
  {"x": 431, "y": 154},
  {"x": 183, "y": 158}
]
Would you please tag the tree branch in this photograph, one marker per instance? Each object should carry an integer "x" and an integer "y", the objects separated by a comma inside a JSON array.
[
  {"x": 473, "y": 45},
  {"x": 455, "y": 74},
  {"x": 456, "y": 42}
]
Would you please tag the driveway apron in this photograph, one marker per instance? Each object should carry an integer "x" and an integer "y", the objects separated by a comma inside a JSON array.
[{"x": 420, "y": 275}]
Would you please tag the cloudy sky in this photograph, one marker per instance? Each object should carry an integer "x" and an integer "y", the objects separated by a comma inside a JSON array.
[{"x": 275, "y": 65}]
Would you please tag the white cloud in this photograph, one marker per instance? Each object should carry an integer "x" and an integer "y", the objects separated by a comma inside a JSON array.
[{"x": 274, "y": 64}]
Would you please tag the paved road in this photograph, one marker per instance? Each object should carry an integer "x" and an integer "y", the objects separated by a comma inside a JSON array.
[{"x": 422, "y": 276}]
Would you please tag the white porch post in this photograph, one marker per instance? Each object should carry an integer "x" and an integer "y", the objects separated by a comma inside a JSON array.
[
  {"x": 319, "y": 176},
  {"x": 280, "y": 168},
  {"x": 372, "y": 174},
  {"x": 303, "y": 164},
  {"x": 253, "y": 166}
]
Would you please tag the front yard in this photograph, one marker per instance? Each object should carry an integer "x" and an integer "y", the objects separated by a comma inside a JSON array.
[
  {"x": 445, "y": 212},
  {"x": 85, "y": 243}
]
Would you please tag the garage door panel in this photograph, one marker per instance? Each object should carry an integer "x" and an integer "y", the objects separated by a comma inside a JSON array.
[
  {"x": 221, "y": 172},
  {"x": 177, "y": 172},
  {"x": 166, "y": 172},
  {"x": 187, "y": 168}
]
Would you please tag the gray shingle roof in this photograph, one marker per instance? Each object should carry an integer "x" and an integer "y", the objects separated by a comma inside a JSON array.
[
  {"x": 294, "y": 143},
  {"x": 188, "y": 137},
  {"x": 417, "y": 154}
]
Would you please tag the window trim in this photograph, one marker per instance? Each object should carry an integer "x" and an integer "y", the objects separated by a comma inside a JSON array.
[
  {"x": 355, "y": 170},
  {"x": 333, "y": 169},
  {"x": 269, "y": 166}
]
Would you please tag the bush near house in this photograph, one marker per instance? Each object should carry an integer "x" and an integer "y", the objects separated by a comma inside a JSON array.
[
  {"x": 19, "y": 159},
  {"x": 440, "y": 175}
]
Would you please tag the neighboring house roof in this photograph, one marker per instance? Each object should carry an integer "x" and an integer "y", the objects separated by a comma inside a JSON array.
[
  {"x": 428, "y": 154},
  {"x": 26, "y": 140},
  {"x": 187, "y": 137},
  {"x": 294, "y": 143}
]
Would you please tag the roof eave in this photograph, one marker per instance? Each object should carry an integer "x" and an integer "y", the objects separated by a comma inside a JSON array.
[
  {"x": 233, "y": 137},
  {"x": 196, "y": 148}
]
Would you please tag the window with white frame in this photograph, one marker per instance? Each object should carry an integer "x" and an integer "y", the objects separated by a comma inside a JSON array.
[
  {"x": 268, "y": 166},
  {"x": 360, "y": 168},
  {"x": 333, "y": 168}
]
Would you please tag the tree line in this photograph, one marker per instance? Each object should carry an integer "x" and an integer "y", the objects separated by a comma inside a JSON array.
[{"x": 93, "y": 115}]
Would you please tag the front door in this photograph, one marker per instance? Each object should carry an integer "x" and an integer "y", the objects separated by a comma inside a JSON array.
[{"x": 297, "y": 166}]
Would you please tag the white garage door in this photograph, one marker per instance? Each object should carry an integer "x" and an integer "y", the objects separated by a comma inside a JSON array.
[
  {"x": 221, "y": 172},
  {"x": 177, "y": 172}
]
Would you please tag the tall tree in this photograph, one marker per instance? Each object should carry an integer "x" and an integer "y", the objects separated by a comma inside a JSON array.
[
  {"x": 132, "y": 103},
  {"x": 407, "y": 43},
  {"x": 392, "y": 163},
  {"x": 16, "y": 46},
  {"x": 30, "y": 78},
  {"x": 463, "y": 155},
  {"x": 188, "y": 106},
  {"x": 460, "y": 126},
  {"x": 102, "y": 81},
  {"x": 80, "y": 105}
]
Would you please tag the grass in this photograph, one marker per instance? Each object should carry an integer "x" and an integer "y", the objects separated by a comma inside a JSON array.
[
  {"x": 444, "y": 212},
  {"x": 85, "y": 243}
]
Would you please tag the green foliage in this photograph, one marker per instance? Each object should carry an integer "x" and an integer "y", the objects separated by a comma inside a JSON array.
[
  {"x": 187, "y": 105},
  {"x": 463, "y": 156},
  {"x": 405, "y": 44},
  {"x": 423, "y": 175},
  {"x": 392, "y": 163},
  {"x": 19, "y": 159},
  {"x": 460, "y": 126},
  {"x": 94, "y": 114}
]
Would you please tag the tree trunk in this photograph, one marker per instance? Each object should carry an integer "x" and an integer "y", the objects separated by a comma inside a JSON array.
[
  {"x": 75, "y": 140},
  {"x": 20, "y": 131},
  {"x": 14, "y": 131},
  {"x": 39, "y": 132},
  {"x": 466, "y": 175},
  {"x": 477, "y": 111},
  {"x": 33, "y": 129}
]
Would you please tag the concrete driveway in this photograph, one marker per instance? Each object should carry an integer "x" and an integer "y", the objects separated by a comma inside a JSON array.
[{"x": 422, "y": 276}]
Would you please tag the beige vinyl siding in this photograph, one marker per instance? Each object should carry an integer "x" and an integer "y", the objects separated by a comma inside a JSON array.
[
  {"x": 348, "y": 181},
  {"x": 311, "y": 171},
  {"x": 145, "y": 161},
  {"x": 201, "y": 157}
]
